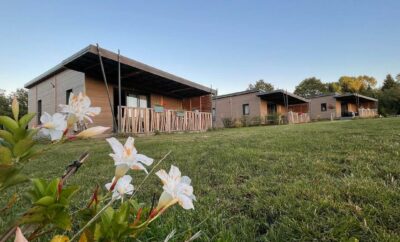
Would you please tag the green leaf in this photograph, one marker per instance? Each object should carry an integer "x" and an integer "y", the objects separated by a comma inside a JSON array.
[
  {"x": 7, "y": 136},
  {"x": 107, "y": 217},
  {"x": 45, "y": 201},
  {"x": 69, "y": 191},
  {"x": 63, "y": 220},
  {"x": 51, "y": 189},
  {"x": 39, "y": 186},
  {"x": 22, "y": 147},
  {"x": 121, "y": 215},
  {"x": 19, "y": 134},
  {"x": 5, "y": 156},
  {"x": 9, "y": 123},
  {"x": 24, "y": 121}
]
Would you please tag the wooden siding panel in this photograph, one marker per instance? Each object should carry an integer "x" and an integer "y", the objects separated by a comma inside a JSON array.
[{"x": 97, "y": 92}]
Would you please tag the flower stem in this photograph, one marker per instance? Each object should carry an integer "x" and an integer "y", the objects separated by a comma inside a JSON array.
[{"x": 151, "y": 171}]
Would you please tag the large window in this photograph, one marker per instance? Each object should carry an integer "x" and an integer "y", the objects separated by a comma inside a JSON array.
[
  {"x": 323, "y": 107},
  {"x": 39, "y": 110},
  {"x": 67, "y": 95},
  {"x": 136, "y": 101},
  {"x": 246, "y": 109}
]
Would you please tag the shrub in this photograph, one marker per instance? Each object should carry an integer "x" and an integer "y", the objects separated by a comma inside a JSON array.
[{"x": 227, "y": 122}]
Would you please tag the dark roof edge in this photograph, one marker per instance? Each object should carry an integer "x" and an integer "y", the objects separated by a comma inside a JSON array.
[
  {"x": 125, "y": 60},
  {"x": 285, "y": 92},
  {"x": 236, "y": 94},
  {"x": 356, "y": 95}
]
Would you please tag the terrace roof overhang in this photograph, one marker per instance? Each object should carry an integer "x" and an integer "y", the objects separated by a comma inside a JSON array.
[
  {"x": 353, "y": 97},
  {"x": 279, "y": 96},
  {"x": 134, "y": 74}
]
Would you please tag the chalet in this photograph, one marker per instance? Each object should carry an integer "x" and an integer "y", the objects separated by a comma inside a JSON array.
[
  {"x": 134, "y": 97},
  {"x": 336, "y": 106},
  {"x": 254, "y": 104}
]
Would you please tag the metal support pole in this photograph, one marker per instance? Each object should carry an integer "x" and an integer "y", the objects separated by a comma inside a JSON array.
[
  {"x": 119, "y": 94},
  {"x": 108, "y": 92}
]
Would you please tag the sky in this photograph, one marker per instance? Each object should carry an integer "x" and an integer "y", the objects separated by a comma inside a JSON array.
[{"x": 223, "y": 44}]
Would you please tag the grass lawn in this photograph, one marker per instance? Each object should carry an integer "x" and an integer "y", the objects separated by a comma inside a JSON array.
[{"x": 326, "y": 181}]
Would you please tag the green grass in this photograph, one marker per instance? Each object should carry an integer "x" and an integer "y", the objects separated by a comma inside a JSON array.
[{"x": 326, "y": 181}]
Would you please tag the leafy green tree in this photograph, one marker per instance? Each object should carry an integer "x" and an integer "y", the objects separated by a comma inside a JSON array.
[
  {"x": 261, "y": 85},
  {"x": 310, "y": 87},
  {"x": 5, "y": 105},
  {"x": 389, "y": 83},
  {"x": 389, "y": 101},
  {"x": 333, "y": 87},
  {"x": 398, "y": 77}
]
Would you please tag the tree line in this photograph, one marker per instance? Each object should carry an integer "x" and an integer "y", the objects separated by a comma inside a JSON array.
[
  {"x": 388, "y": 94},
  {"x": 5, "y": 102}
]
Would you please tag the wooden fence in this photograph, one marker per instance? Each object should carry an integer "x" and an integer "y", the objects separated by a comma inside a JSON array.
[
  {"x": 147, "y": 120},
  {"x": 296, "y": 118},
  {"x": 367, "y": 113}
]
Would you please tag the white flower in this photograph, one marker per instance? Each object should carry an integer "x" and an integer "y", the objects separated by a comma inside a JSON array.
[
  {"x": 176, "y": 189},
  {"x": 93, "y": 131},
  {"x": 122, "y": 187},
  {"x": 126, "y": 156},
  {"x": 53, "y": 125},
  {"x": 79, "y": 106}
]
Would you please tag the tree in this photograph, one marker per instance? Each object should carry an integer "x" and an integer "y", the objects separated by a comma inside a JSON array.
[
  {"x": 5, "y": 102},
  {"x": 261, "y": 85},
  {"x": 398, "y": 77},
  {"x": 389, "y": 83},
  {"x": 333, "y": 87},
  {"x": 310, "y": 87},
  {"x": 356, "y": 84},
  {"x": 389, "y": 101}
]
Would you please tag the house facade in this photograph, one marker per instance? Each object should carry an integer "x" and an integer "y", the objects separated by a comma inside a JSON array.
[
  {"x": 254, "y": 104},
  {"x": 182, "y": 104},
  {"x": 335, "y": 106}
]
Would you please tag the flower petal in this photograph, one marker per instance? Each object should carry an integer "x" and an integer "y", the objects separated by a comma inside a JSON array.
[
  {"x": 174, "y": 173},
  {"x": 144, "y": 159},
  {"x": 19, "y": 237},
  {"x": 185, "y": 202},
  {"x": 116, "y": 146},
  {"x": 165, "y": 199}
]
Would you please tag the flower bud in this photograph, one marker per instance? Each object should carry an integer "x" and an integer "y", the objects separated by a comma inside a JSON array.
[{"x": 15, "y": 108}]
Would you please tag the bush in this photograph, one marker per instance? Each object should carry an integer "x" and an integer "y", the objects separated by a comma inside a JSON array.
[
  {"x": 256, "y": 121},
  {"x": 245, "y": 120},
  {"x": 227, "y": 122},
  {"x": 272, "y": 118}
]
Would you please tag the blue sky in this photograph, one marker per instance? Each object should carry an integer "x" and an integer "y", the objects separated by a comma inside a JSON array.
[{"x": 226, "y": 44}]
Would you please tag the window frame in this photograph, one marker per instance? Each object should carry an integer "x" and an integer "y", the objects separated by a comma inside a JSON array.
[
  {"x": 324, "y": 105},
  {"x": 39, "y": 110},
  {"x": 244, "y": 109},
  {"x": 68, "y": 95}
]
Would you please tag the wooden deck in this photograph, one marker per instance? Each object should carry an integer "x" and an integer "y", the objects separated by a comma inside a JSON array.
[{"x": 147, "y": 120}]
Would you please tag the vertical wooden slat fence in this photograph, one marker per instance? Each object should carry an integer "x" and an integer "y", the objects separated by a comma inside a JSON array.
[
  {"x": 296, "y": 118},
  {"x": 147, "y": 120},
  {"x": 367, "y": 112}
]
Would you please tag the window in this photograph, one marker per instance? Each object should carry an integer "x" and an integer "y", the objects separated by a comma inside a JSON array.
[
  {"x": 67, "y": 95},
  {"x": 135, "y": 101},
  {"x": 39, "y": 110},
  {"x": 323, "y": 107},
  {"x": 246, "y": 109}
]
